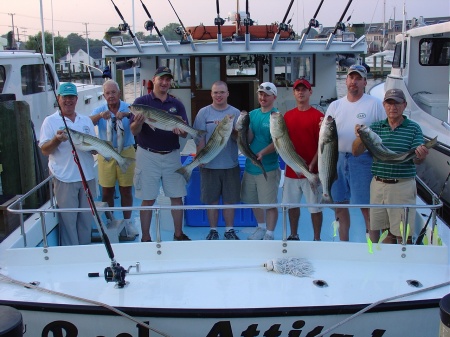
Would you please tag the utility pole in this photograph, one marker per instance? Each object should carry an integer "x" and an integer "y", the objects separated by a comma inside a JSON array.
[
  {"x": 13, "y": 42},
  {"x": 87, "y": 43}
]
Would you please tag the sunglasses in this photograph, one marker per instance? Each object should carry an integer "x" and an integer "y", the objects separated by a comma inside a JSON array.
[
  {"x": 264, "y": 88},
  {"x": 359, "y": 68}
]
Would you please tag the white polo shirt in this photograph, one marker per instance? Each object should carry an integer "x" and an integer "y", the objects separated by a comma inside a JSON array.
[{"x": 61, "y": 162}]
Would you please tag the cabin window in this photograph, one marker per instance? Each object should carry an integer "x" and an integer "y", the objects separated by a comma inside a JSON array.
[
  {"x": 33, "y": 79},
  {"x": 434, "y": 52},
  {"x": 180, "y": 70},
  {"x": 241, "y": 65},
  {"x": 289, "y": 68},
  {"x": 2, "y": 78},
  {"x": 207, "y": 71},
  {"x": 397, "y": 55}
]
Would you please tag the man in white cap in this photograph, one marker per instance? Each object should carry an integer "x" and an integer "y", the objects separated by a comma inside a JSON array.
[
  {"x": 75, "y": 228},
  {"x": 255, "y": 189},
  {"x": 393, "y": 183},
  {"x": 354, "y": 176}
]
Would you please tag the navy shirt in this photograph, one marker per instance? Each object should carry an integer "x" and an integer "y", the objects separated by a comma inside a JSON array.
[{"x": 160, "y": 140}]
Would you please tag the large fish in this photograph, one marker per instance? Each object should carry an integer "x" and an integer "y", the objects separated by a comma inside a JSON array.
[
  {"x": 163, "y": 120},
  {"x": 242, "y": 125},
  {"x": 285, "y": 148},
  {"x": 215, "y": 144},
  {"x": 86, "y": 142},
  {"x": 374, "y": 145},
  {"x": 120, "y": 135},
  {"x": 109, "y": 130},
  {"x": 328, "y": 154}
]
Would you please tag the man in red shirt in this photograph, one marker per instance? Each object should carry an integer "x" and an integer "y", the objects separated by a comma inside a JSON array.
[{"x": 303, "y": 123}]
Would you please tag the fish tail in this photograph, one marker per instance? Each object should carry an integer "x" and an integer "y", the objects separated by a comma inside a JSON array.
[
  {"x": 199, "y": 133},
  {"x": 264, "y": 173},
  {"x": 185, "y": 171},
  {"x": 326, "y": 199},
  {"x": 125, "y": 164},
  {"x": 314, "y": 182}
]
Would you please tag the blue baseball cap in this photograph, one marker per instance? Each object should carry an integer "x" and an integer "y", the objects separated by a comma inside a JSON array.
[{"x": 67, "y": 89}]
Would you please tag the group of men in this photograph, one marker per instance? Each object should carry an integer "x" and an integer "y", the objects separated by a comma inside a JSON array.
[{"x": 158, "y": 157}]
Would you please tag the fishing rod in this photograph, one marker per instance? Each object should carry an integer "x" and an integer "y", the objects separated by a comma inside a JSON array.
[
  {"x": 218, "y": 21},
  {"x": 282, "y": 26},
  {"x": 123, "y": 27},
  {"x": 312, "y": 23},
  {"x": 247, "y": 23},
  {"x": 115, "y": 272},
  {"x": 186, "y": 34},
  {"x": 339, "y": 25},
  {"x": 424, "y": 229},
  {"x": 150, "y": 24}
]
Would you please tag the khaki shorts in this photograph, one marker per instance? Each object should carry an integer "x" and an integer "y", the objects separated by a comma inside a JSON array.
[
  {"x": 256, "y": 190},
  {"x": 109, "y": 172},
  {"x": 294, "y": 189},
  {"x": 403, "y": 192},
  {"x": 153, "y": 170}
]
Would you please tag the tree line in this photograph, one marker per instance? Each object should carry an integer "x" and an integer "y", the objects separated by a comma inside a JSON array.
[{"x": 76, "y": 41}]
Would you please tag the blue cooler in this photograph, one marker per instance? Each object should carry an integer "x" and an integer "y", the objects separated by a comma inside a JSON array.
[{"x": 243, "y": 217}]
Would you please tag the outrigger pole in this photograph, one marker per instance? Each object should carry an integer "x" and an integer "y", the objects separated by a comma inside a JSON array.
[
  {"x": 282, "y": 26},
  {"x": 188, "y": 36},
  {"x": 150, "y": 24},
  {"x": 312, "y": 23},
  {"x": 126, "y": 27},
  {"x": 247, "y": 23},
  {"x": 339, "y": 25},
  {"x": 115, "y": 272}
]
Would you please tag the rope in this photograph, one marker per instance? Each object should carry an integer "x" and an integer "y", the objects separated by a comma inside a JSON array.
[
  {"x": 52, "y": 292},
  {"x": 359, "y": 313}
]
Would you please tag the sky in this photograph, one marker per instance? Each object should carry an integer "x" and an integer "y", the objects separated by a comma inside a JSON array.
[{"x": 97, "y": 16}]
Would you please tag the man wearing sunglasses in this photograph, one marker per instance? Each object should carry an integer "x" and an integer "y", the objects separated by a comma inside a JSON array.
[
  {"x": 354, "y": 175},
  {"x": 255, "y": 189}
]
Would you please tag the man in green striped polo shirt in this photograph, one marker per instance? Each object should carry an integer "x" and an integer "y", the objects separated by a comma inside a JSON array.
[{"x": 393, "y": 183}]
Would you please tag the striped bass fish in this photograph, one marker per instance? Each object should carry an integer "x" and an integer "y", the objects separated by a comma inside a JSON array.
[
  {"x": 160, "y": 119},
  {"x": 374, "y": 145},
  {"x": 328, "y": 154},
  {"x": 285, "y": 148},
  {"x": 242, "y": 126},
  {"x": 120, "y": 135},
  {"x": 86, "y": 142},
  {"x": 215, "y": 144}
]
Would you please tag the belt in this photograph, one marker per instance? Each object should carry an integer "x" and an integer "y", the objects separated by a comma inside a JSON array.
[
  {"x": 387, "y": 181},
  {"x": 155, "y": 151}
]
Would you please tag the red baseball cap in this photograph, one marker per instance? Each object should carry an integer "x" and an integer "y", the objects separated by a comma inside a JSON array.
[{"x": 303, "y": 82}]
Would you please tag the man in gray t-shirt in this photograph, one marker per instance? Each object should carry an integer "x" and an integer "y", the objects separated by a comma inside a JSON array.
[{"x": 221, "y": 176}]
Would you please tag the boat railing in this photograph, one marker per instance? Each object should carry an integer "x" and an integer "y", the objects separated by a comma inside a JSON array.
[{"x": 17, "y": 208}]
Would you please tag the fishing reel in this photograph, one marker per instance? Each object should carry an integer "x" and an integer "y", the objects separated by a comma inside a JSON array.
[
  {"x": 218, "y": 21},
  {"x": 149, "y": 25},
  {"x": 248, "y": 22},
  {"x": 123, "y": 27},
  {"x": 116, "y": 273},
  {"x": 314, "y": 23}
]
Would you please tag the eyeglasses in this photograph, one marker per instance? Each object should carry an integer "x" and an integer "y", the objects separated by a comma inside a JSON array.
[
  {"x": 358, "y": 67},
  {"x": 394, "y": 103},
  {"x": 217, "y": 93}
]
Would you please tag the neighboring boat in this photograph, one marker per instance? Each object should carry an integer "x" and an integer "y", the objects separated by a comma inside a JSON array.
[
  {"x": 382, "y": 59},
  {"x": 23, "y": 78},
  {"x": 423, "y": 74},
  {"x": 203, "y": 288}
]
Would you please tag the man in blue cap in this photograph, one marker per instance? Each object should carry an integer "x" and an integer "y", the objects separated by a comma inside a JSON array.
[{"x": 75, "y": 228}]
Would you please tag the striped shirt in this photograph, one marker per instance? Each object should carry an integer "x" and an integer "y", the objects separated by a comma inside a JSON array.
[{"x": 403, "y": 138}]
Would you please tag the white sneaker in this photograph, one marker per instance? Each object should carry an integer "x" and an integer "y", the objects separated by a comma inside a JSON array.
[
  {"x": 130, "y": 229},
  {"x": 258, "y": 234},
  {"x": 268, "y": 236}
]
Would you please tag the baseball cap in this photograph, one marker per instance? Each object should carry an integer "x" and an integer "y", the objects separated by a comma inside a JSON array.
[
  {"x": 67, "y": 89},
  {"x": 268, "y": 87},
  {"x": 161, "y": 71},
  {"x": 395, "y": 94},
  {"x": 303, "y": 82},
  {"x": 357, "y": 68}
]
